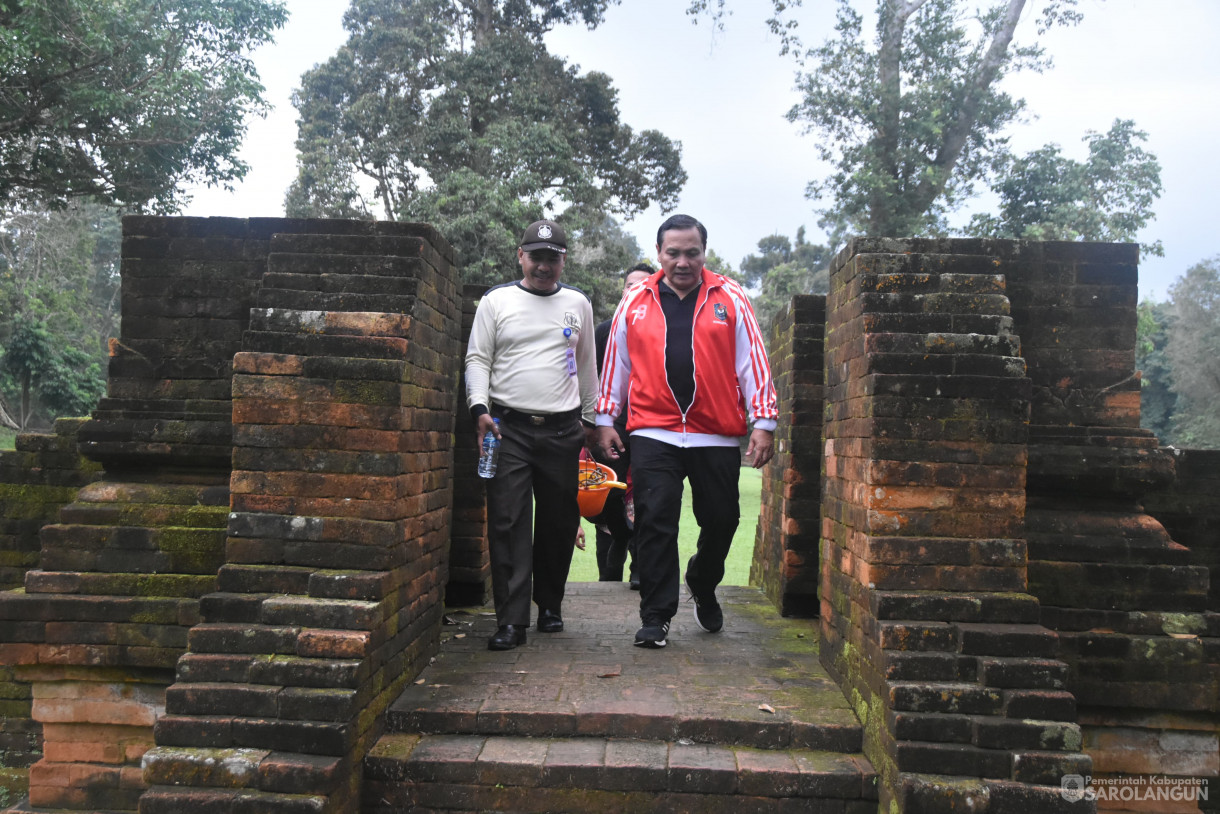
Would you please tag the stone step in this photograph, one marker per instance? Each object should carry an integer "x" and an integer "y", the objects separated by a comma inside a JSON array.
[
  {"x": 594, "y": 774},
  {"x": 801, "y": 719},
  {"x": 176, "y": 799},
  {"x": 215, "y": 494},
  {"x": 144, "y": 514}
]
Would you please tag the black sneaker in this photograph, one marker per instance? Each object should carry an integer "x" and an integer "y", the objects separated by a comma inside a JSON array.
[
  {"x": 652, "y": 635},
  {"x": 708, "y": 615}
]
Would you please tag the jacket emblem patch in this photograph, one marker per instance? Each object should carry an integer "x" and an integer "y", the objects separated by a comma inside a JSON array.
[{"x": 720, "y": 311}]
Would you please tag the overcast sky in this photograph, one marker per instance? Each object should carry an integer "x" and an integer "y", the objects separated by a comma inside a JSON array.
[{"x": 724, "y": 94}]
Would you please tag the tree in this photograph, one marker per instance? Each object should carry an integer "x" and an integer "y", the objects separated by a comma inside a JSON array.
[
  {"x": 1194, "y": 352},
  {"x": 1108, "y": 197},
  {"x": 1158, "y": 401},
  {"x": 454, "y": 113},
  {"x": 718, "y": 264},
  {"x": 783, "y": 269},
  {"x": 913, "y": 124},
  {"x": 59, "y": 291},
  {"x": 598, "y": 257},
  {"x": 66, "y": 378},
  {"x": 122, "y": 102}
]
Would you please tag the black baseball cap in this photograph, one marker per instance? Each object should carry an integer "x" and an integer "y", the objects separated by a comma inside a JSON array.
[{"x": 544, "y": 234}]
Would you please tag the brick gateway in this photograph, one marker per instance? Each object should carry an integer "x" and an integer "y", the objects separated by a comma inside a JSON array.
[{"x": 223, "y": 578}]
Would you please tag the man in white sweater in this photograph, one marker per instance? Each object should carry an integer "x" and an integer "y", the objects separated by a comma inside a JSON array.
[{"x": 531, "y": 363}]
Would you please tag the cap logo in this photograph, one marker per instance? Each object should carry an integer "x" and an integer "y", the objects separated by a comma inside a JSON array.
[{"x": 544, "y": 232}]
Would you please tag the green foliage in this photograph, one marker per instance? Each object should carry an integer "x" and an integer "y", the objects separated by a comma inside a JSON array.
[
  {"x": 598, "y": 258},
  {"x": 913, "y": 122},
  {"x": 782, "y": 269},
  {"x": 121, "y": 102},
  {"x": 1158, "y": 401},
  {"x": 65, "y": 379},
  {"x": 1106, "y": 198},
  {"x": 454, "y": 113},
  {"x": 59, "y": 289},
  {"x": 1194, "y": 351},
  {"x": 718, "y": 264}
]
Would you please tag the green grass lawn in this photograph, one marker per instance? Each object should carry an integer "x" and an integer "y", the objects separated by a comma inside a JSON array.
[
  {"x": 7, "y": 438},
  {"x": 736, "y": 568}
]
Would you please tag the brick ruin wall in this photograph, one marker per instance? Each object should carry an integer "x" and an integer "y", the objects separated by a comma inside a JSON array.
[
  {"x": 1126, "y": 599},
  {"x": 1189, "y": 508},
  {"x": 994, "y": 597},
  {"x": 469, "y": 561},
  {"x": 218, "y": 621},
  {"x": 785, "y": 561},
  {"x": 38, "y": 477}
]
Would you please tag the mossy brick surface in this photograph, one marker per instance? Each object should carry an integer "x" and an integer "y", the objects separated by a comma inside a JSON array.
[
  {"x": 177, "y": 799},
  {"x": 119, "y": 584}
]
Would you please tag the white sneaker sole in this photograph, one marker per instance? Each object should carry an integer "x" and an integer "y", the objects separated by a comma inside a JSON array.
[
  {"x": 651, "y": 645},
  {"x": 695, "y": 613}
]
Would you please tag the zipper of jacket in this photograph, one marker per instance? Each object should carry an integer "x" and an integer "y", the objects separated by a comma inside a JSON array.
[
  {"x": 664, "y": 350},
  {"x": 703, "y": 296}
]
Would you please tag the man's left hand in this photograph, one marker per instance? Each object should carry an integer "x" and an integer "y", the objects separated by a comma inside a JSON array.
[{"x": 761, "y": 447}]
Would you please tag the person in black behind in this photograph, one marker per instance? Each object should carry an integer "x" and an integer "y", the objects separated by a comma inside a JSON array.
[{"x": 614, "y": 529}]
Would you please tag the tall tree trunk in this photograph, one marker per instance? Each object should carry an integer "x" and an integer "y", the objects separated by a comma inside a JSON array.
[
  {"x": 889, "y": 80},
  {"x": 954, "y": 142},
  {"x": 6, "y": 419},
  {"x": 483, "y": 15},
  {"x": 25, "y": 399}
]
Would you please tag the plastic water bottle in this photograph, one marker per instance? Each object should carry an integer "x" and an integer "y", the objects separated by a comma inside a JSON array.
[{"x": 491, "y": 453}]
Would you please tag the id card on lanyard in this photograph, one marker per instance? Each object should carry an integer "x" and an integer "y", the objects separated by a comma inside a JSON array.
[{"x": 569, "y": 352}]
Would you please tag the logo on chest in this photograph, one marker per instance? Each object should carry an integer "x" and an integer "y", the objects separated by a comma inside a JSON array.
[{"x": 720, "y": 312}]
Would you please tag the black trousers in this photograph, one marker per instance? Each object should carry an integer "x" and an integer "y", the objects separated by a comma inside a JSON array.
[
  {"x": 614, "y": 545},
  {"x": 538, "y": 463},
  {"x": 658, "y": 470}
]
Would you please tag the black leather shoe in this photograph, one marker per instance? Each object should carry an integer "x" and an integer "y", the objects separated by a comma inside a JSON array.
[
  {"x": 549, "y": 621},
  {"x": 507, "y": 637}
]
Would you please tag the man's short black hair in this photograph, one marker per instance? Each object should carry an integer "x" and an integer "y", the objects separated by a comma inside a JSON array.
[
  {"x": 643, "y": 265},
  {"x": 681, "y": 222}
]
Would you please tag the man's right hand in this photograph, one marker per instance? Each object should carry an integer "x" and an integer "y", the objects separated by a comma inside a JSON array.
[
  {"x": 608, "y": 443},
  {"x": 485, "y": 425}
]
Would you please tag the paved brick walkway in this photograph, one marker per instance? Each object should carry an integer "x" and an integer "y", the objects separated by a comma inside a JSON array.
[{"x": 591, "y": 679}]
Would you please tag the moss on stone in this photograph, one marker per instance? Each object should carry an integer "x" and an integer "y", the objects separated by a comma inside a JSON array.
[
  {"x": 193, "y": 550},
  {"x": 1172, "y": 623},
  {"x": 366, "y": 392},
  {"x": 14, "y": 784},
  {"x": 35, "y": 494}
]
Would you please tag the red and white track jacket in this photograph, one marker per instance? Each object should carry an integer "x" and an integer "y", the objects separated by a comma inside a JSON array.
[{"x": 732, "y": 376}]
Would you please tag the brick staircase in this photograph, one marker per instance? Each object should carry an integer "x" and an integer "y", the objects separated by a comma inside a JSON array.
[
  {"x": 744, "y": 720},
  {"x": 97, "y": 629}
]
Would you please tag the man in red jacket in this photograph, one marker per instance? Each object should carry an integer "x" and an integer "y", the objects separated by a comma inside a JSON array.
[{"x": 686, "y": 346}]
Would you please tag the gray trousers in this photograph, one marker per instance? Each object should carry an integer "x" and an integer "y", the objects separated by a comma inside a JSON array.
[{"x": 538, "y": 463}]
